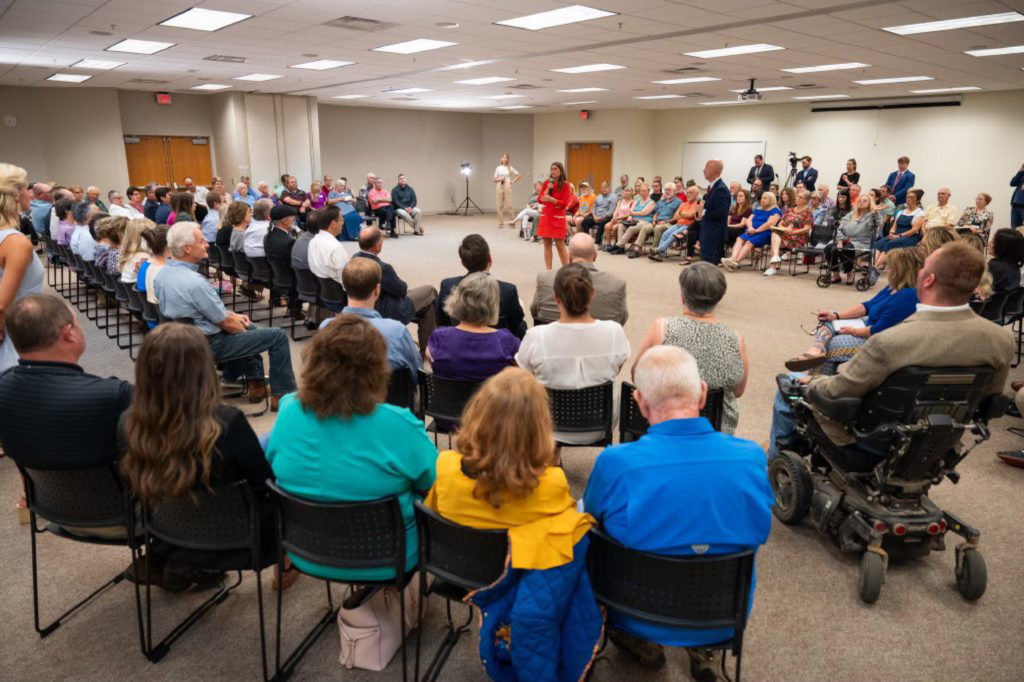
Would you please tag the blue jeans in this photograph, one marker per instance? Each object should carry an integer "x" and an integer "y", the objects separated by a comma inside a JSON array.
[
  {"x": 246, "y": 346},
  {"x": 669, "y": 237},
  {"x": 782, "y": 420}
]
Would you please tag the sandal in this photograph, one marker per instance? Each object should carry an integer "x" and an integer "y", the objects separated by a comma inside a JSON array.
[{"x": 805, "y": 361}]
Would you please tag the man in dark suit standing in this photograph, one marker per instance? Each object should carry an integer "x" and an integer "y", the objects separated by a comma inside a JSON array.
[
  {"x": 716, "y": 213},
  {"x": 1017, "y": 200},
  {"x": 761, "y": 171},
  {"x": 807, "y": 175},
  {"x": 900, "y": 181},
  {"x": 397, "y": 301},
  {"x": 475, "y": 255}
]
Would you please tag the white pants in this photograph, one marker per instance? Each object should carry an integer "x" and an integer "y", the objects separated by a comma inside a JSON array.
[
  {"x": 527, "y": 215},
  {"x": 411, "y": 216}
]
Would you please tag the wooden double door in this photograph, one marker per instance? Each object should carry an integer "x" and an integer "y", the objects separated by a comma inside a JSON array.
[
  {"x": 590, "y": 161},
  {"x": 166, "y": 160}
]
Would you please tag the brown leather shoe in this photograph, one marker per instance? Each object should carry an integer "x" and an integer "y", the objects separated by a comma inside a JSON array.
[
  {"x": 1016, "y": 385},
  {"x": 257, "y": 392}
]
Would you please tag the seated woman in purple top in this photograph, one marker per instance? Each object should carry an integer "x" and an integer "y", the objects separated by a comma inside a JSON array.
[{"x": 472, "y": 350}]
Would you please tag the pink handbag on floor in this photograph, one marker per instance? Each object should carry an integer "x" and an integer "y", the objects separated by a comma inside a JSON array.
[{"x": 370, "y": 633}]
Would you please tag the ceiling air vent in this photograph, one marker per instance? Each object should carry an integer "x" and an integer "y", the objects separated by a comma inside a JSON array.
[
  {"x": 148, "y": 81},
  {"x": 682, "y": 69},
  {"x": 808, "y": 86},
  {"x": 224, "y": 58},
  {"x": 523, "y": 86},
  {"x": 405, "y": 99},
  {"x": 359, "y": 24}
]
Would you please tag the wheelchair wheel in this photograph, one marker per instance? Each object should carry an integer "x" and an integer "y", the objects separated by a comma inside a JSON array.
[
  {"x": 863, "y": 284},
  {"x": 972, "y": 577},
  {"x": 824, "y": 280},
  {"x": 872, "y": 575},
  {"x": 791, "y": 482}
]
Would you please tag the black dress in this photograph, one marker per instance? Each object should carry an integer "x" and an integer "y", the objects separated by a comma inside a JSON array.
[
  {"x": 237, "y": 456},
  {"x": 1005, "y": 275},
  {"x": 854, "y": 179}
]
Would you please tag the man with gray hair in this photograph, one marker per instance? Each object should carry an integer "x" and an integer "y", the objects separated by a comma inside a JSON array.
[
  {"x": 92, "y": 195},
  {"x": 184, "y": 294},
  {"x": 252, "y": 241},
  {"x": 681, "y": 489},
  {"x": 609, "y": 302},
  {"x": 41, "y": 206},
  {"x": 118, "y": 207}
]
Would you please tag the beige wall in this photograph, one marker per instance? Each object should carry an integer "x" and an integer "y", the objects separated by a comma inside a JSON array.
[
  {"x": 510, "y": 134},
  {"x": 186, "y": 115}
]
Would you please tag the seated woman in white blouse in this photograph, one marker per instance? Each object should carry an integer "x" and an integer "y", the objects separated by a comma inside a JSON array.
[{"x": 577, "y": 351}]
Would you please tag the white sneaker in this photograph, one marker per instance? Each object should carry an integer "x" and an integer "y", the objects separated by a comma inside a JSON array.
[
  {"x": 769, "y": 272},
  {"x": 773, "y": 261},
  {"x": 787, "y": 256}
]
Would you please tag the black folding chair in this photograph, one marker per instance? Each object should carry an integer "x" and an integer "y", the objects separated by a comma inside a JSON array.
[
  {"x": 461, "y": 559},
  {"x": 582, "y": 410},
  {"x": 285, "y": 283},
  {"x": 820, "y": 236},
  {"x": 227, "y": 266},
  {"x": 698, "y": 592},
  {"x": 307, "y": 288},
  {"x": 222, "y": 519},
  {"x": 262, "y": 276},
  {"x": 632, "y": 424},
  {"x": 243, "y": 269},
  {"x": 79, "y": 498},
  {"x": 332, "y": 295},
  {"x": 343, "y": 535},
  {"x": 443, "y": 401},
  {"x": 1013, "y": 316},
  {"x": 401, "y": 389},
  {"x": 992, "y": 309}
]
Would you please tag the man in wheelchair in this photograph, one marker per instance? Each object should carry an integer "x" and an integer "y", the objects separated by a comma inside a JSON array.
[{"x": 859, "y": 450}]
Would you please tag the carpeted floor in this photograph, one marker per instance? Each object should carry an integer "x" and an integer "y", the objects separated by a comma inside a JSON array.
[{"x": 807, "y": 622}]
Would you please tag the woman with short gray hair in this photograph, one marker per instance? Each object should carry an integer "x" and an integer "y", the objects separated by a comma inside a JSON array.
[
  {"x": 720, "y": 352},
  {"x": 472, "y": 350}
]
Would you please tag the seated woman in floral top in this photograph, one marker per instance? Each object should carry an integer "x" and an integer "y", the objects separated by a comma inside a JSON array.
[
  {"x": 793, "y": 230},
  {"x": 978, "y": 218}
]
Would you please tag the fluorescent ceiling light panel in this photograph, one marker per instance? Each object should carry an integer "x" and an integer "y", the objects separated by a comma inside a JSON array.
[
  {"x": 413, "y": 46},
  {"x": 773, "y": 88},
  {"x": 258, "y": 77},
  {"x": 681, "y": 81},
  {"x": 823, "y": 97},
  {"x": 98, "y": 64},
  {"x": 886, "y": 81},
  {"x": 584, "y": 90},
  {"x": 935, "y": 91},
  {"x": 69, "y": 77},
  {"x": 515, "y": 106},
  {"x": 349, "y": 96},
  {"x": 321, "y": 64},
  {"x": 484, "y": 81},
  {"x": 994, "y": 51},
  {"x": 585, "y": 101},
  {"x": 210, "y": 86},
  {"x": 723, "y": 102},
  {"x": 505, "y": 97},
  {"x": 467, "y": 65},
  {"x": 733, "y": 51},
  {"x": 589, "y": 68},
  {"x": 139, "y": 46},
  {"x": 827, "y": 67},
  {"x": 407, "y": 91},
  {"x": 556, "y": 17},
  {"x": 200, "y": 19},
  {"x": 660, "y": 97},
  {"x": 951, "y": 24}
]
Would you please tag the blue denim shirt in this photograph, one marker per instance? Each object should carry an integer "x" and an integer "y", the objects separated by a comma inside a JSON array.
[
  {"x": 664, "y": 210},
  {"x": 401, "y": 349},
  {"x": 40, "y": 212},
  {"x": 183, "y": 292}
]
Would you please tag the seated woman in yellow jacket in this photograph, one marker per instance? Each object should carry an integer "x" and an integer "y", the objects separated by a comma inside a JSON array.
[{"x": 505, "y": 475}]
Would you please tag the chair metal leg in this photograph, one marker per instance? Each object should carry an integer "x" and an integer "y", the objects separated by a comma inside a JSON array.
[
  {"x": 156, "y": 653},
  {"x": 48, "y": 629},
  {"x": 284, "y": 670},
  {"x": 444, "y": 650}
]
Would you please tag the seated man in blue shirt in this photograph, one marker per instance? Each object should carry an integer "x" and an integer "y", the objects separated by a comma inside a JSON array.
[
  {"x": 601, "y": 215},
  {"x": 184, "y": 293},
  {"x": 682, "y": 489},
  {"x": 664, "y": 212},
  {"x": 361, "y": 279}
]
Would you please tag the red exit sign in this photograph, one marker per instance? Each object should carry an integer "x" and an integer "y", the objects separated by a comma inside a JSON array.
[{"x": 163, "y": 98}]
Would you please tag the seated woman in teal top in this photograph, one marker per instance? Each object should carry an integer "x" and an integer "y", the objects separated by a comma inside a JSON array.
[{"x": 335, "y": 440}]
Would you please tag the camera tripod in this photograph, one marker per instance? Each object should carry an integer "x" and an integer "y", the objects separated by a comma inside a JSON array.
[
  {"x": 791, "y": 177},
  {"x": 466, "y": 203}
]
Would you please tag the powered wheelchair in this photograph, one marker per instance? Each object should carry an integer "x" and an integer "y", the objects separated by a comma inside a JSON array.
[{"x": 872, "y": 497}]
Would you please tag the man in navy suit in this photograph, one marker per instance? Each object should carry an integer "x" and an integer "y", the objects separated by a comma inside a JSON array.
[
  {"x": 900, "y": 181},
  {"x": 475, "y": 255},
  {"x": 807, "y": 175},
  {"x": 716, "y": 213},
  {"x": 1017, "y": 200},
  {"x": 761, "y": 171}
]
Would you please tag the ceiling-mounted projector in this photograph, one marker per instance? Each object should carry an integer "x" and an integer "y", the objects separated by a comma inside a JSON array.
[{"x": 750, "y": 94}]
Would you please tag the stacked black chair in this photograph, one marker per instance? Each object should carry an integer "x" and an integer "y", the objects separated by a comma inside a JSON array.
[
  {"x": 443, "y": 401},
  {"x": 632, "y": 424},
  {"x": 581, "y": 410},
  {"x": 339, "y": 535},
  {"x": 460, "y": 559},
  {"x": 82, "y": 498},
  {"x": 699, "y": 592},
  {"x": 221, "y": 519}
]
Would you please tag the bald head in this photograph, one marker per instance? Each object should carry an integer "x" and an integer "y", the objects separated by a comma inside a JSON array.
[
  {"x": 41, "y": 190},
  {"x": 370, "y": 238},
  {"x": 582, "y": 248},
  {"x": 713, "y": 169}
]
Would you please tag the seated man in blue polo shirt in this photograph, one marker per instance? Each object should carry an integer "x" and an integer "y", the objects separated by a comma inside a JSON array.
[
  {"x": 683, "y": 488},
  {"x": 184, "y": 293},
  {"x": 361, "y": 280}
]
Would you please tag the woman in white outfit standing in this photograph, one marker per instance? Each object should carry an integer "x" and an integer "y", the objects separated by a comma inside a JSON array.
[
  {"x": 505, "y": 175},
  {"x": 21, "y": 273}
]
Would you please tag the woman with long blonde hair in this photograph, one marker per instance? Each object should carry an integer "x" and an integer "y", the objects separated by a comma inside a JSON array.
[
  {"x": 21, "y": 273},
  {"x": 505, "y": 175},
  {"x": 133, "y": 250}
]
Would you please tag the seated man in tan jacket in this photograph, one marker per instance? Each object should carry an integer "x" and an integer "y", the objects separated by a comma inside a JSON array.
[
  {"x": 944, "y": 332},
  {"x": 609, "y": 302}
]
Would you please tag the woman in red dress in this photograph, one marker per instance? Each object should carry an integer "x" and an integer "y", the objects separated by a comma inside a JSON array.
[{"x": 555, "y": 195}]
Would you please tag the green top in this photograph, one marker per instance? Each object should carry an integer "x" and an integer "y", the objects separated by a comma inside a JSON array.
[{"x": 365, "y": 457}]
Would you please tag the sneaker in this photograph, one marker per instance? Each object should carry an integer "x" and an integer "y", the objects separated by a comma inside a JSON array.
[
  {"x": 647, "y": 654},
  {"x": 656, "y": 257},
  {"x": 418, "y": 233},
  {"x": 787, "y": 256},
  {"x": 616, "y": 250},
  {"x": 770, "y": 272},
  {"x": 703, "y": 664},
  {"x": 775, "y": 261},
  {"x": 730, "y": 264}
]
